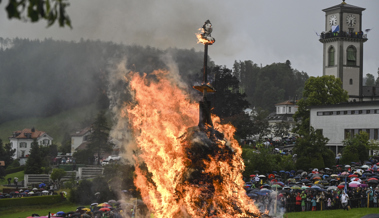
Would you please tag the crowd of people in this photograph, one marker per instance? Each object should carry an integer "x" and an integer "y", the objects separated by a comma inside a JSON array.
[{"x": 345, "y": 187}]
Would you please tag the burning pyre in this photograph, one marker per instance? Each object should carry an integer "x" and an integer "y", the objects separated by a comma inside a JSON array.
[{"x": 184, "y": 169}]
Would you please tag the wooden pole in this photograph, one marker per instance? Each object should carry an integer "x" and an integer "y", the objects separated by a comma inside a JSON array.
[{"x": 368, "y": 200}]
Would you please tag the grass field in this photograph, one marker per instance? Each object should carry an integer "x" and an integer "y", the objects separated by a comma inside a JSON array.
[
  {"x": 19, "y": 175},
  {"x": 22, "y": 212},
  {"x": 353, "y": 213}
]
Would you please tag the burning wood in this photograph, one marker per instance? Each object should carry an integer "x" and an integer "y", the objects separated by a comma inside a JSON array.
[{"x": 205, "y": 35}]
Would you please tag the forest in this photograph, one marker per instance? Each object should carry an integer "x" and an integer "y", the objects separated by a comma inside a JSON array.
[{"x": 40, "y": 78}]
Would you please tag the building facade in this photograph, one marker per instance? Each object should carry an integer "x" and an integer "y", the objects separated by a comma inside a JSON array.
[
  {"x": 22, "y": 141},
  {"x": 343, "y": 40},
  {"x": 79, "y": 139}
]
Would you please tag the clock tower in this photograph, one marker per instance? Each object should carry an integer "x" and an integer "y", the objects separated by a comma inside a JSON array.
[{"x": 343, "y": 40}]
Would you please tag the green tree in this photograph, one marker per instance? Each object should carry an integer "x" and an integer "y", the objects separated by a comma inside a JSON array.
[
  {"x": 35, "y": 160},
  {"x": 311, "y": 151},
  {"x": 261, "y": 126},
  {"x": 227, "y": 101},
  {"x": 281, "y": 129},
  {"x": 370, "y": 80},
  {"x": 6, "y": 153},
  {"x": 98, "y": 139},
  {"x": 317, "y": 91},
  {"x": 65, "y": 144},
  {"x": 57, "y": 174},
  {"x": 34, "y": 10},
  {"x": 356, "y": 148}
]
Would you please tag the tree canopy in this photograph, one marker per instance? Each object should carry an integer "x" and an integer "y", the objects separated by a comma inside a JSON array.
[
  {"x": 35, "y": 160},
  {"x": 35, "y": 10},
  {"x": 317, "y": 91},
  {"x": 6, "y": 153},
  {"x": 356, "y": 148}
]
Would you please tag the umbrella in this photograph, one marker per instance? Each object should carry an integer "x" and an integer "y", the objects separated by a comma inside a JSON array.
[
  {"x": 85, "y": 209},
  {"x": 104, "y": 205},
  {"x": 35, "y": 189},
  {"x": 353, "y": 175},
  {"x": 104, "y": 209},
  {"x": 97, "y": 193},
  {"x": 305, "y": 180},
  {"x": 262, "y": 176},
  {"x": 365, "y": 166},
  {"x": 276, "y": 186},
  {"x": 347, "y": 166},
  {"x": 60, "y": 213},
  {"x": 316, "y": 178},
  {"x": 373, "y": 181},
  {"x": 114, "y": 201},
  {"x": 363, "y": 185},
  {"x": 271, "y": 176},
  {"x": 42, "y": 185},
  {"x": 332, "y": 188},
  {"x": 30, "y": 193},
  {"x": 252, "y": 175},
  {"x": 354, "y": 185},
  {"x": 315, "y": 187},
  {"x": 334, "y": 175},
  {"x": 282, "y": 171},
  {"x": 341, "y": 186},
  {"x": 304, "y": 187},
  {"x": 295, "y": 187}
]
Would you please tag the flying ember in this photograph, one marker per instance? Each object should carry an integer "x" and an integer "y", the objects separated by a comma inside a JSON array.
[{"x": 188, "y": 164}]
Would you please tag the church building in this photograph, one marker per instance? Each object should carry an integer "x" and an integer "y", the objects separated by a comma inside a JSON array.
[{"x": 343, "y": 41}]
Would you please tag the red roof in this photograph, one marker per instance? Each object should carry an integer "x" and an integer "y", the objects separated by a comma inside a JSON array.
[
  {"x": 24, "y": 134},
  {"x": 288, "y": 102},
  {"x": 81, "y": 132}
]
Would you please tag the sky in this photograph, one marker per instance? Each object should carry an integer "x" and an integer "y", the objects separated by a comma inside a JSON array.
[{"x": 262, "y": 31}]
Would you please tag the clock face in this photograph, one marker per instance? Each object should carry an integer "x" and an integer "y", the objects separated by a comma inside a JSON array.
[
  {"x": 333, "y": 20},
  {"x": 350, "y": 20}
]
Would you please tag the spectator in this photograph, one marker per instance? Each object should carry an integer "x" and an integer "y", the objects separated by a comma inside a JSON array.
[
  {"x": 314, "y": 204},
  {"x": 329, "y": 203},
  {"x": 344, "y": 200},
  {"x": 9, "y": 181}
]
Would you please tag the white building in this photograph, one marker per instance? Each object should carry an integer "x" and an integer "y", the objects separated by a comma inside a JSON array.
[
  {"x": 22, "y": 140},
  {"x": 337, "y": 122},
  {"x": 79, "y": 139},
  {"x": 284, "y": 113}
]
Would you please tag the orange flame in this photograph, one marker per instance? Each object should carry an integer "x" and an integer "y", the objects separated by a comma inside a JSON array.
[
  {"x": 203, "y": 40},
  {"x": 160, "y": 115}
]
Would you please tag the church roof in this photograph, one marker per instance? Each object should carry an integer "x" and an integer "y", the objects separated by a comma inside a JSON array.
[{"x": 344, "y": 7}]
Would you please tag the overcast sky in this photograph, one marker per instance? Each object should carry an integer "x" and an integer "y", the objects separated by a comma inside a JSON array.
[{"x": 262, "y": 31}]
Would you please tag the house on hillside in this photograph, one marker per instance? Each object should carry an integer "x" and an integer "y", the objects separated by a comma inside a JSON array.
[
  {"x": 22, "y": 141},
  {"x": 79, "y": 139},
  {"x": 284, "y": 114}
]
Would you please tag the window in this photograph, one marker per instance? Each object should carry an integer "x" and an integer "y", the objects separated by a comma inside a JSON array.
[
  {"x": 331, "y": 56},
  {"x": 347, "y": 134},
  {"x": 351, "y": 56},
  {"x": 289, "y": 109},
  {"x": 376, "y": 134},
  {"x": 360, "y": 112},
  {"x": 320, "y": 113},
  {"x": 22, "y": 153},
  {"x": 368, "y": 111},
  {"x": 351, "y": 81},
  {"x": 345, "y": 112},
  {"x": 352, "y": 112},
  {"x": 22, "y": 144},
  {"x": 284, "y": 109},
  {"x": 338, "y": 112},
  {"x": 368, "y": 133},
  {"x": 46, "y": 141}
]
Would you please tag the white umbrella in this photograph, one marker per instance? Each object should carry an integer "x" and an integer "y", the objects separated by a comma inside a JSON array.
[
  {"x": 35, "y": 189},
  {"x": 332, "y": 188},
  {"x": 356, "y": 182},
  {"x": 262, "y": 176},
  {"x": 365, "y": 166},
  {"x": 45, "y": 191},
  {"x": 347, "y": 166},
  {"x": 30, "y": 193}
]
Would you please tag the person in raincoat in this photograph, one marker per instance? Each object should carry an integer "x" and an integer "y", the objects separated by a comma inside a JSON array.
[
  {"x": 314, "y": 204},
  {"x": 344, "y": 200},
  {"x": 303, "y": 199},
  {"x": 298, "y": 202}
]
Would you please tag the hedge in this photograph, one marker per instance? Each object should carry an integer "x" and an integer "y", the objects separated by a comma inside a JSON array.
[
  {"x": 14, "y": 170},
  {"x": 68, "y": 167},
  {"x": 27, "y": 201}
]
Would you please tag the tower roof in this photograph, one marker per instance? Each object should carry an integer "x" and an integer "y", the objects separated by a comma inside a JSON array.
[{"x": 345, "y": 7}]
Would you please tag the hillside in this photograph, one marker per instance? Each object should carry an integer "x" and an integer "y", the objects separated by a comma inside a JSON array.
[{"x": 56, "y": 126}]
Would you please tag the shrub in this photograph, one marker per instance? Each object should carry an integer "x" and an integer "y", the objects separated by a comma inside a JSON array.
[
  {"x": 27, "y": 201},
  {"x": 14, "y": 170}
]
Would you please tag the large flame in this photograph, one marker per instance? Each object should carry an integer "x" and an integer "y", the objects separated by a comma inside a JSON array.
[
  {"x": 160, "y": 116},
  {"x": 202, "y": 40}
]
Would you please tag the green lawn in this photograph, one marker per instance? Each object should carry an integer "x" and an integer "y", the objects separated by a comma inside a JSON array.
[
  {"x": 353, "y": 213},
  {"x": 19, "y": 175},
  {"x": 22, "y": 212}
]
